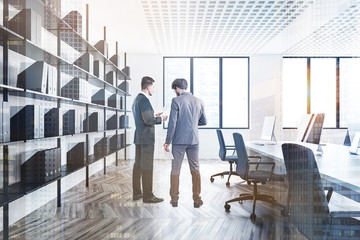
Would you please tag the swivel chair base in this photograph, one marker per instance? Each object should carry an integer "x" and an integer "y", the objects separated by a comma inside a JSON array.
[
  {"x": 222, "y": 174},
  {"x": 255, "y": 197}
]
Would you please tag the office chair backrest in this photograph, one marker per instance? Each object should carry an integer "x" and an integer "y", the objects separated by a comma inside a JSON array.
[
  {"x": 242, "y": 163},
  {"x": 309, "y": 209},
  {"x": 222, "y": 150}
]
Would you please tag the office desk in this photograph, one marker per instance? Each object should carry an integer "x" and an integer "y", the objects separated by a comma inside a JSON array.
[{"x": 336, "y": 165}]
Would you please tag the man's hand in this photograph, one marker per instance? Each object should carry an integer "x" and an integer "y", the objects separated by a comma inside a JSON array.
[
  {"x": 164, "y": 118},
  {"x": 166, "y": 146},
  {"x": 158, "y": 114}
]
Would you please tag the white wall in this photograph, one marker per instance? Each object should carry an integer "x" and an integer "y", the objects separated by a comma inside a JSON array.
[{"x": 265, "y": 88}]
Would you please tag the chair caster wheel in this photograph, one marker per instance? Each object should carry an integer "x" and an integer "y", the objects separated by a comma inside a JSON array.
[
  {"x": 284, "y": 213},
  {"x": 227, "y": 207},
  {"x": 228, "y": 184},
  {"x": 211, "y": 179},
  {"x": 253, "y": 217}
]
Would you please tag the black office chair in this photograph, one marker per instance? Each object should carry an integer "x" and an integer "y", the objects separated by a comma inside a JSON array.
[
  {"x": 252, "y": 175},
  {"x": 222, "y": 154},
  {"x": 309, "y": 210}
]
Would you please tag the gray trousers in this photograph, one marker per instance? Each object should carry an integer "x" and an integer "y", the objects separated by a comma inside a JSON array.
[{"x": 192, "y": 153}]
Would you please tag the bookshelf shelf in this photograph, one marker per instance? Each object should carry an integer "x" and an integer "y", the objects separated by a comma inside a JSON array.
[{"x": 58, "y": 115}]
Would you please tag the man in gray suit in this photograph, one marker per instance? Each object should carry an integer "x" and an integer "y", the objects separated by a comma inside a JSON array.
[
  {"x": 144, "y": 142},
  {"x": 187, "y": 113}
]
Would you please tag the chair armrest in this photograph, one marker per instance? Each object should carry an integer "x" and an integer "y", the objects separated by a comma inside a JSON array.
[
  {"x": 230, "y": 146},
  {"x": 265, "y": 163},
  {"x": 259, "y": 157},
  {"x": 329, "y": 194},
  {"x": 345, "y": 214}
]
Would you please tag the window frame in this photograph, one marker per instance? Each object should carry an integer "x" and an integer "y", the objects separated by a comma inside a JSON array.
[
  {"x": 191, "y": 89},
  {"x": 337, "y": 109}
]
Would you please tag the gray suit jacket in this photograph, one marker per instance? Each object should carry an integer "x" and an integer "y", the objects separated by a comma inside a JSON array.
[
  {"x": 187, "y": 113},
  {"x": 144, "y": 120}
]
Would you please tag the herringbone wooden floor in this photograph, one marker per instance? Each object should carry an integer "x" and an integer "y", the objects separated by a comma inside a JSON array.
[{"x": 106, "y": 210}]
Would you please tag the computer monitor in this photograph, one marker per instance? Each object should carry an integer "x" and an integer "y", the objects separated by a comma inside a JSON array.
[
  {"x": 310, "y": 128},
  {"x": 303, "y": 126},
  {"x": 353, "y": 127},
  {"x": 355, "y": 143},
  {"x": 313, "y": 134},
  {"x": 267, "y": 133},
  {"x": 347, "y": 141}
]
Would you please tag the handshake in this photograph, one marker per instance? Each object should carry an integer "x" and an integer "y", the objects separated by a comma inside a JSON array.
[{"x": 164, "y": 117}]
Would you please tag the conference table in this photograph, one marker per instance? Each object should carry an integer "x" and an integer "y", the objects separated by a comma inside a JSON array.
[{"x": 336, "y": 165}]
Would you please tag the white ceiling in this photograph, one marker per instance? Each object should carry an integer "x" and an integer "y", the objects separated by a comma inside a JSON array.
[{"x": 219, "y": 27}]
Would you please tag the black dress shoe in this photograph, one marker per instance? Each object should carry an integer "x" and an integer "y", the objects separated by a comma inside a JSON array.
[
  {"x": 198, "y": 203},
  {"x": 174, "y": 203},
  {"x": 152, "y": 200},
  {"x": 137, "y": 197}
]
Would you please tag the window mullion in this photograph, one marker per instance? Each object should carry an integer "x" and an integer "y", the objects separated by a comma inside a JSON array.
[
  {"x": 308, "y": 87},
  {"x": 220, "y": 93},
  {"x": 192, "y": 75},
  {"x": 337, "y": 92}
]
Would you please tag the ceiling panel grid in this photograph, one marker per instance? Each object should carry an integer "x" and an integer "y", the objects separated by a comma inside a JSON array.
[{"x": 218, "y": 27}]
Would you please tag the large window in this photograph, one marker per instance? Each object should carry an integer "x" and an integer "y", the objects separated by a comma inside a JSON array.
[
  {"x": 323, "y": 88},
  {"x": 221, "y": 82},
  {"x": 294, "y": 90},
  {"x": 327, "y": 85},
  {"x": 349, "y": 91},
  {"x": 235, "y": 92},
  {"x": 174, "y": 68},
  {"x": 206, "y": 87}
]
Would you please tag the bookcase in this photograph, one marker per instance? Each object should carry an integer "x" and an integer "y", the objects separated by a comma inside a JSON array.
[{"x": 63, "y": 100}]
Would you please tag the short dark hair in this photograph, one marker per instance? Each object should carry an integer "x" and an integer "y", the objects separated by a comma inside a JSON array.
[
  {"x": 146, "y": 81},
  {"x": 180, "y": 83}
]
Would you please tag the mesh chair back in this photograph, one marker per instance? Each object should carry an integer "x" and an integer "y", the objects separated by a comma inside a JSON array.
[
  {"x": 309, "y": 209},
  {"x": 242, "y": 163}
]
